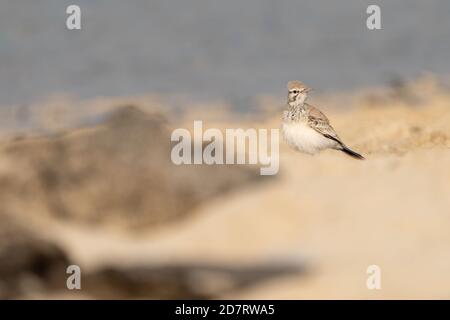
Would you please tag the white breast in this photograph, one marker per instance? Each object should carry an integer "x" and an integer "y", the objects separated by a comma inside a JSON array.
[{"x": 305, "y": 139}]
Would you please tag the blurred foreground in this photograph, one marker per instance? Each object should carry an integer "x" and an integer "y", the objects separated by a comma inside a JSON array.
[{"x": 106, "y": 197}]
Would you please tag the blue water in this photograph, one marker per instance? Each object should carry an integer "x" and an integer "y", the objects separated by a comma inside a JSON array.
[{"x": 230, "y": 49}]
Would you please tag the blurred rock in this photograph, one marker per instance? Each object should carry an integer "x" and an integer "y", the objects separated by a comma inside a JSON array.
[
  {"x": 181, "y": 281},
  {"x": 118, "y": 172},
  {"x": 28, "y": 263}
]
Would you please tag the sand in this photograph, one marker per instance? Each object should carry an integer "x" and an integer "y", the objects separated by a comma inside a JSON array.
[{"x": 331, "y": 214}]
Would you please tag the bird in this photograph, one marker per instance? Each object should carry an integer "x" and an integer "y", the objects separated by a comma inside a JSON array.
[{"x": 305, "y": 128}]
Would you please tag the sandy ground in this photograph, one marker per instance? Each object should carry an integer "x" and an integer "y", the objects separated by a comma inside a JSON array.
[
  {"x": 335, "y": 214},
  {"x": 340, "y": 216}
]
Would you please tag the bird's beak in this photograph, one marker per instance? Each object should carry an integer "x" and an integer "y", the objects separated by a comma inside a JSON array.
[{"x": 307, "y": 90}]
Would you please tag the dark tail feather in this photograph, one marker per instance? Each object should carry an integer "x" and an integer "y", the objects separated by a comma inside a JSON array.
[{"x": 352, "y": 153}]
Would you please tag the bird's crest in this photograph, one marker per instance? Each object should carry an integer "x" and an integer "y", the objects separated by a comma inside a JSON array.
[{"x": 295, "y": 84}]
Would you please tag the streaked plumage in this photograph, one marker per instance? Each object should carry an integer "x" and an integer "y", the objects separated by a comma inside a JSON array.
[{"x": 306, "y": 128}]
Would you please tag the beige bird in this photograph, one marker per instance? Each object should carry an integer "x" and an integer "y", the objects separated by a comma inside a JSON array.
[{"x": 305, "y": 128}]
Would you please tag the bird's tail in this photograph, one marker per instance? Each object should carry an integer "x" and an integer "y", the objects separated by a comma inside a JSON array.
[{"x": 352, "y": 153}]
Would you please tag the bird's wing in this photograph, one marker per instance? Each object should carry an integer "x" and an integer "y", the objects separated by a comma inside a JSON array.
[{"x": 319, "y": 122}]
